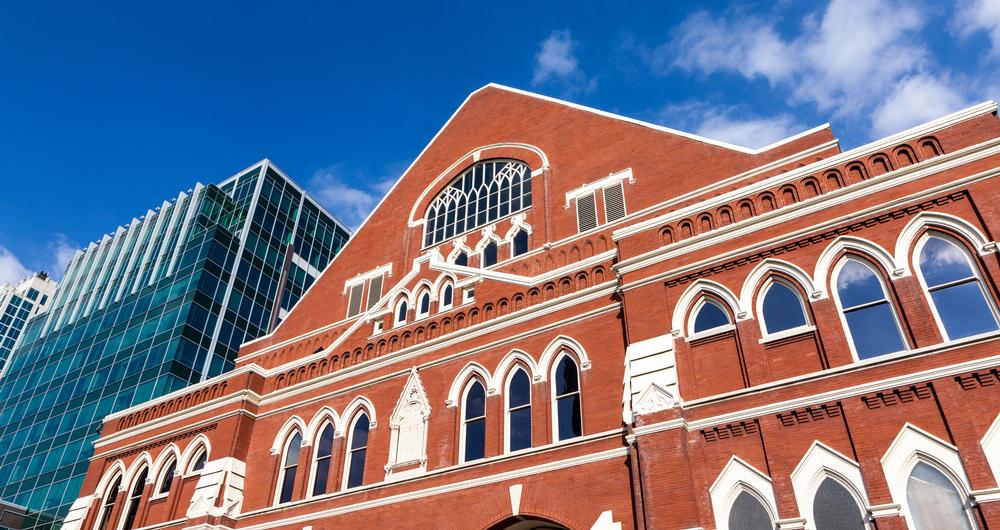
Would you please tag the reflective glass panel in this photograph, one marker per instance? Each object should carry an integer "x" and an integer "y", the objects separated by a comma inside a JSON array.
[
  {"x": 782, "y": 308},
  {"x": 710, "y": 316},
  {"x": 934, "y": 502}
]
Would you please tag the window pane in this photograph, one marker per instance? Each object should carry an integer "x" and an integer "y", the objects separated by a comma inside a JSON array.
[
  {"x": 964, "y": 310},
  {"x": 490, "y": 254},
  {"x": 168, "y": 477},
  {"x": 520, "y": 243},
  {"x": 748, "y": 513},
  {"x": 294, "y": 446},
  {"x": 287, "y": 484},
  {"x": 425, "y": 304},
  {"x": 858, "y": 284},
  {"x": 475, "y": 401},
  {"x": 357, "y": 472},
  {"x": 462, "y": 259},
  {"x": 475, "y": 440},
  {"x": 401, "y": 315},
  {"x": 710, "y": 316},
  {"x": 874, "y": 331},
  {"x": 566, "y": 377},
  {"x": 569, "y": 416},
  {"x": 782, "y": 308},
  {"x": 359, "y": 438},
  {"x": 520, "y": 429},
  {"x": 446, "y": 298},
  {"x": 520, "y": 389},
  {"x": 934, "y": 502},
  {"x": 322, "y": 475},
  {"x": 199, "y": 464},
  {"x": 835, "y": 509},
  {"x": 942, "y": 262}
]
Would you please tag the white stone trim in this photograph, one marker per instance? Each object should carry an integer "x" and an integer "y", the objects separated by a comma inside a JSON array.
[
  {"x": 159, "y": 468},
  {"x": 360, "y": 404},
  {"x": 924, "y": 221},
  {"x": 593, "y": 187},
  {"x": 685, "y": 307},
  {"x": 884, "y": 285},
  {"x": 991, "y": 447},
  {"x": 736, "y": 477},
  {"x": 547, "y": 362},
  {"x": 819, "y": 463},
  {"x": 291, "y": 426},
  {"x": 325, "y": 415},
  {"x": 822, "y": 279},
  {"x": 471, "y": 369},
  {"x": 193, "y": 449},
  {"x": 506, "y": 365}
]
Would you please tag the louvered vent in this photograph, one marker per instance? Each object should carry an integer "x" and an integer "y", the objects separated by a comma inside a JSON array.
[
  {"x": 586, "y": 212},
  {"x": 614, "y": 202},
  {"x": 374, "y": 291},
  {"x": 354, "y": 302}
]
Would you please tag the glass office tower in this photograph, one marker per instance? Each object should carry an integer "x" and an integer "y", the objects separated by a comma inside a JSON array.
[
  {"x": 18, "y": 304},
  {"x": 161, "y": 303}
]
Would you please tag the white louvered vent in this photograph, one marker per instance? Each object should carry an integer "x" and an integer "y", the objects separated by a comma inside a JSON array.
[
  {"x": 586, "y": 212},
  {"x": 354, "y": 302},
  {"x": 374, "y": 291},
  {"x": 614, "y": 202}
]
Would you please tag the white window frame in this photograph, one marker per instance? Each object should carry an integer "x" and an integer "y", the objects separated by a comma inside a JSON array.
[
  {"x": 461, "y": 417},
  {"x": 347, "y": 449},
  {"x": 515, "y": 367},
  {"x": 314, "y": 458},
  {"x": 765, "y": 334},
  {"x": 736, "y": 477},
  {"x": 819, "y": 463},
  {"x": 441, "y": 305},
  {"x": 973, "y": 266},
  {"x": 553, "y": 404},
  {"x": 162, "y": 476},
  {"x": 396, "y": 322},
  {"x": 418, "y": 313},
  {"x": 885, "y": 294},
  {"x": 289, "y": 437},
  {"x": 702, "y": 300}
]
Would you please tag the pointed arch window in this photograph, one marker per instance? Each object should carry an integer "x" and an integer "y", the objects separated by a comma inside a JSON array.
[
  {"x": 358, "y": 447},
  {"x": 782, "y": 307},
  {"x": 401, "y": 309},
  {"x": 289, "y": 468},
  {"x": 569, "y": 418},
  {"x": 167, "y": 480},
  {"x": 110, "y": 496},
  {"x": 708, "y": 316},
  {"x": 519, "y": 245},
  {"x": 834, "y": 508},
  {"x": 871, "y": 320},
  {"x": 462, "y": 259},
  {"x": 519, "y": 411},
  {"x": 749, "y": 513},
  {"x": 132, "y": 506},
  {"x": 447, "y": 296},
  {"x": 324, "y": 456},
  {"x": 955, "y": 288},
  {"x": 483, "y": 193},
  {"x": 199, "y": 461},
  {"x": 934, "y": 502},
  {"x": 424, "y": 305},
  {"x": 474, "y": 422},
  {"x": 490, "y": 254}
]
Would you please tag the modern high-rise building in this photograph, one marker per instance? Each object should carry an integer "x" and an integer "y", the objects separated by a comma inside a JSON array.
[
  {"x": 18, "y": 304},
  {"x": 161, "y": 303}
]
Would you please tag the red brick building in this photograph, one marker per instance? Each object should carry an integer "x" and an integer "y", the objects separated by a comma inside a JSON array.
[{"x": 563, "y": 318}]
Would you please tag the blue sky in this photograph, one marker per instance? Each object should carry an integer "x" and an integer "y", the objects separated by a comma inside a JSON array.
[{"x": 106, "y": 110}]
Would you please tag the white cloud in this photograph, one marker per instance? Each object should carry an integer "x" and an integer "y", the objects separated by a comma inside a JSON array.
[
  {"x": 351, "y": 204},
  {"x": 556, "y": 63},
  {"x": 732, "y": 125},
  {"x": 62, "y": 253},
  {"x": 979, "y": 15},
  {"x": 915, "y": 100},
  {"x": 11, "y": 268}
]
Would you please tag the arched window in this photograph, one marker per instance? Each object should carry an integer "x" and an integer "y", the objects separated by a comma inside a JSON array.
[
  {"x": 289, "y": 467},
  {"x": 519, "y": 411},
  {"x": 567, "y": 397},
  {"x": 358, "y": 447},
  {"x": 167, "y": 480},
  {"x": 424, "y": 305},
  {"x": 519, "y": 245},
  {"x": 834, "y": 508},
  {"x": 934, "y": 502},
  {"x": 483, "y": 193},
  {"x": 199, "y": 461},
  {"x": 490, "y": 254},
  {"x": 749, "y": 513},
  {"x": 401, "y": 309},
  {"x": 709, "y": 315},
  {"x": 782, "y": 307},
  {"x": 474, "y": 422},
  {"x": 871, "y": 320},
  {"x": 462, "y": 259},
  {"x": 957, "y": 293},
  {"x": 324, "y": 455},
  {"x": 132, "y": 506},
  {"x": 447, "y": 296},
  {"x": 110, "y": 496}
]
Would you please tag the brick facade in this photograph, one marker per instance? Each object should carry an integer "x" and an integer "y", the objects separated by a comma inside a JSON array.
[{"x": 675, "y": 423}]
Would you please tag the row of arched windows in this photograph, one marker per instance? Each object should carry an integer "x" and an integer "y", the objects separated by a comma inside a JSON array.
[
  {"x": 320, "y": 483},
  {"x": 950, "y": 276}
]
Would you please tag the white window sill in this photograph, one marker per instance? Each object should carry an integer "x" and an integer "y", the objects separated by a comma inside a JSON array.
[
  {"x": 798, "y": 330},
  {"x": 710, "y": 332}
]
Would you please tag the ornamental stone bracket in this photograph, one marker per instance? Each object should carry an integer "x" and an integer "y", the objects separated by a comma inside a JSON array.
[
  {"x": 408, "y": 431},
  {"x": 219, "y": 491},
  {"x": 77, "y": 513},
  {"x": 650, "y": 377}
]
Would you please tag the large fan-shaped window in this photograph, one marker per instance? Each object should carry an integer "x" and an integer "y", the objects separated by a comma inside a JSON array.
[{"x": 482, "y": 194}]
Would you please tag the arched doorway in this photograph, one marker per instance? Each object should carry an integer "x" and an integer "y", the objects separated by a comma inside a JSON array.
[{"x": 526, "y": 523}]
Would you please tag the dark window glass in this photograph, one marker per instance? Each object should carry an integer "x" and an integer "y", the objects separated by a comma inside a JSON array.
[
  {"x": 356, "y": 458},
  {"x": 446, "y": 297},
  {"x": 490, "y": 254},
  {"x": 401, "y": 314},
  {"x": 748, "y": 513},
  {"x": 869, "y": 315},
  {"x": 133, "y": 500},
  {"x": 199, "y": 463},
  {"x": 934, "y": 502},
  {"x": 955, "y": 289},
  {"x": 567, "y": 386},
  {"x": 425, "y": 303},
  {"x": 782, "y": 308},
  {"x": 710, "y": 316},
  {"x": 462, "y": 259},
  {"x": 475, "y": 422},
  {"x": 168, "y": 477},
  {"x": 834, "y": 508},
  {"x": 110, "y": 497},
  {"x": 324, "y": 454},
  {"x": 520, "y": 242},
  {"x": 289, "y": 467}
]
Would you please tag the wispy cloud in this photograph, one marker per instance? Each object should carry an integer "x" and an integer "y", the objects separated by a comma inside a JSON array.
[
  {"x": 913, "y": 101},
  {"x": 729, "y": 124},
  {"x": 556, "y": 64},
  {"x": 62, "y": 250},
  {"x": 11, "y": 268},
  {"x": 979, "y": 15},
  {"x": 350, "y": 195}
]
